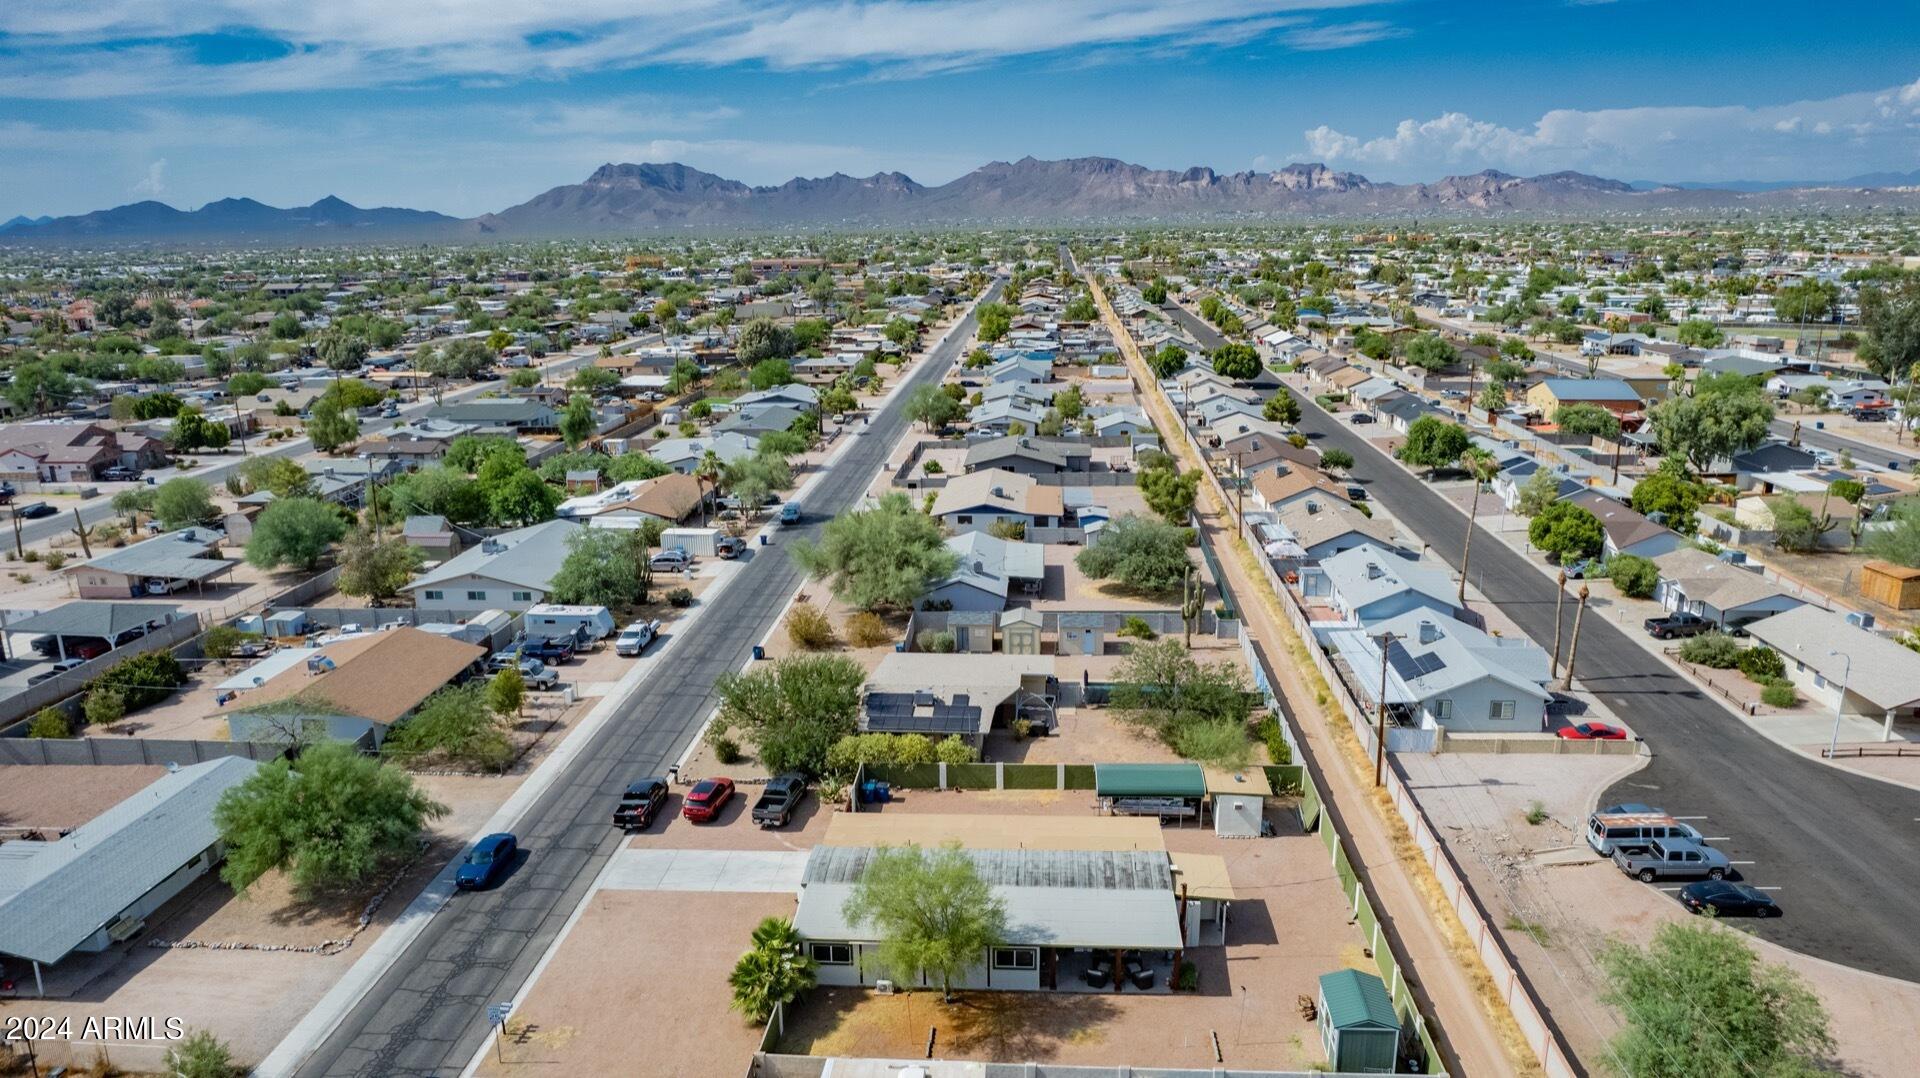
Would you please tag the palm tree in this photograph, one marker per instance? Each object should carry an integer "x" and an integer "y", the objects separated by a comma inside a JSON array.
[
  {"x": 773, "y": 973},
  {"x": 708, "y": 473},
  {"x": 1481, "y": 466}
]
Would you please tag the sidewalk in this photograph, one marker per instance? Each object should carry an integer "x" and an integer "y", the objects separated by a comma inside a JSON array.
[{"x": 1476, "y": 1030}]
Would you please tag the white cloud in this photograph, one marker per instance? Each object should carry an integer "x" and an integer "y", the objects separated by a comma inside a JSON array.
[
  {"x": 1795, "y": 140},
  {"x": 61, "y": 50},
  {"x": 154, "y": 183}
]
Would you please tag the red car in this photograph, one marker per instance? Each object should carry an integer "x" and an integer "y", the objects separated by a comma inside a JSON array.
[
  {"x": 704, "y": 802},
  {"x": 1592, "y": 731}
]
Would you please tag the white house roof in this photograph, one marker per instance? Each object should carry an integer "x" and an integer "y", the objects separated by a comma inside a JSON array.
[
  {"x": 1882, "y": 673},
  {"x": 1433, "y": 655},
  {"x": 1367, "y": 574},
  {"x": 991, "y": 564},
  {"x": 525, "y": 556}
]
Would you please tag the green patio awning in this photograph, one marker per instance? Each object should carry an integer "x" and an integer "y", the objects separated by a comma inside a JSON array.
[{"x": 1149, "y": 780}]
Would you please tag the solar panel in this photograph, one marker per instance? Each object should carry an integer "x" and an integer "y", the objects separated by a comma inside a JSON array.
[{"x": 1412, "y": 667}]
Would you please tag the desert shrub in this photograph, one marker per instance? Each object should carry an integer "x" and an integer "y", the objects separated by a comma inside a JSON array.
[
  {"x": 1536, "y": 813},
  {"x": 929, "y": 640},
  {"x": 932, "y": 467},
  {"x": 144, "y": 679},
  {"x": 50, "y": 722},
  {"x": 1021, "y": 728},
  {"x": 55, "y": 559},
  {"x": 855, "y": 749},
  {"x": 1762, "y": 665},
  {"x": 866, "y": 630},
  {"x": 1278, "y": 751},
  {"x": 221, "y": 641},
  {"x": 953, "y": 750},
  {"x": 1715, "y": 649},
  {"x": 725, "y": 749},
  {"x": 1636, "y": 577},
  {"x": 1779, "y": 693},
  {"x": 808, "y": 627},
  {"x": 680, "y": 597},
  {"x": 1137, "y": 626},
  {"x": 104, "y": 707}
]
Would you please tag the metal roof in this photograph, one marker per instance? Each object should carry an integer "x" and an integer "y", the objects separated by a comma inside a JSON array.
[
  {"x": 1103, "y": 870},
  {"x": 1357, "y": 1000},
  {"x": 106, "y": 620},
  {"x": 181, "y": 555},
  {"x": 525, "y": 556},
  {"x": 53, "y": 895},
  {"x": 1149, "y": 780}
]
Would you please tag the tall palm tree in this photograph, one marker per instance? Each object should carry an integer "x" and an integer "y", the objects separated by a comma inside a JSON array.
[
  {"x": 708, "y": 474},
  {"x": 773, "y": 973},
  {"x": 1482, "y": 467}
]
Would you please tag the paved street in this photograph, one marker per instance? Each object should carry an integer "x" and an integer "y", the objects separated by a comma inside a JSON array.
[
  {"x": 427, "y": 1014},
  {"x": 1833, "y": 842}
]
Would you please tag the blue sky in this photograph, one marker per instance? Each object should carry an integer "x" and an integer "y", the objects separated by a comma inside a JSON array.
[{"x": 466, "y": 106}]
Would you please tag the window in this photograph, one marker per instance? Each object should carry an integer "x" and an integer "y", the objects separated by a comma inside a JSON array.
[
  {"x": 964, "y": 518},
  {"x": 1442, "y": 710},
  {"x": 1500, "y": 710},
  {"x": 1016, "y": 958},
  {"x": 433, "y": 595},
  {"x": 477, "y": 596},
  {"x": 523, "y": 597},
  {"x": 832, "y": 954}
]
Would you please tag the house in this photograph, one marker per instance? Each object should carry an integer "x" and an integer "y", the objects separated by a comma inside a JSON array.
[
  {"x": 990, "y": 571},
  {"x": 510, "y": 571},
  {"x": 1550, "y": 394},
  {"x": 1366, "y": 584},
  {"x": 1751, "y": 468},
  {"x": 956, "y": 695},
  {"x": 794, "y": 395},
  {"x": 1513, "y": 478},
  {"x": 685, "y": 454},
  {"x": 431, "y": 535},
  {"x": 1221, "y": 409},
  {"x": 354, "y": 689},
  {"x": 1030, "y": 456},
  {"x": 1315, "y": 529},
  {"x": 96, "y": 885},
  {"x": 1755, "y": 512},
  {"x": 1275, "y": 487},
  {"x": 1401, "y": 410},
  {"x": 1843, "y": 667},
  {"x": 65, "y": 452},
  {"x": 670, "y": 499},
  {"x": 1252, "y": 451},
  {"x": 1021, "y": 368},
  {"x": 1627, "y": 531},
  {"x": 977, "y": 500},
  {"x": 1001, "y": 415},
  {"x": 1695, "y": 582},
  {"x": 163, "y": 564},
  {"x": 512, "y": 414},
  {"x": 756, "y": 423},
  {"x": 1126, "y": 422},
  {"x": 1441, "y": 672},
  {"x": 1077, "y": 891}
]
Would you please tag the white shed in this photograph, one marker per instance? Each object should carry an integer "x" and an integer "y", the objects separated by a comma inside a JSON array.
[{"x": 1239, "y": 801}]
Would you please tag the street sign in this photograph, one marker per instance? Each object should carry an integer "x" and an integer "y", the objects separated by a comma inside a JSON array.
[{"x": 497, "y": 1013}]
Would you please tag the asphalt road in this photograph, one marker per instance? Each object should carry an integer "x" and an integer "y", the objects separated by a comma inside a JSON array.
[
  {"x": 427, "y": 1014},
  {"x": 1839, "y": 847},
  {"x": 1209, "y": 337}
]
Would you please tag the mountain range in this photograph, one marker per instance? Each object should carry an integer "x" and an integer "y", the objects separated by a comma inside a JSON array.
[{"x": 652, "y": 198}]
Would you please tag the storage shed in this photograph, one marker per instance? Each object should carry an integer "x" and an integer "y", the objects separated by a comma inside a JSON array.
[
  {"x": 972, "y": 630},
  {"x": 1891, "y": 585},
  {"x": 1083, "y": 634},
  {"x": 287, "y": 623},
  {"x": 1239, "y": 801},
  {"x": 1358, "y": 1026},
  {"x": 1020, "y": 631}
]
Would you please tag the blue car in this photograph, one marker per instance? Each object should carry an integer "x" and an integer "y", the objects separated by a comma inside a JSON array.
[{"x": 486, "y": 863}]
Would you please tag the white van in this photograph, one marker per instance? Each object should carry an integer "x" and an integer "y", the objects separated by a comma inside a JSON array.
[
  {"x": 1630, "y": 831},
  {"x": 583, "y": 623}
]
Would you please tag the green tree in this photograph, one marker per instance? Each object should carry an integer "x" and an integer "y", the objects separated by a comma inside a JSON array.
[
  {"x": 1899, "y": 541},
  {"x": 294, "y": 532},
  {"x": 1671, "y": 492},
  {"x": 994, "y": 319},
  {"x": 1892, "y": 319},
  {"x": 1236, "y": 361},
  {"x": 1169, "y": 491},
  {"x": 1492, "y": 398},
  {"x": 1139, "y": 553},
  {"x": 334, "y": 820},
  {"x": 1698, "y": 1003},
  {"x": 1710, "y": 425},
  {"x": 1170, "y": 360},
  {"x": 1699, "y": 333},
  {"x": 340, "y": 350},
  {"x": 886, "y": 556},
  {"x": 520, "y": 497},
  {"x": 376, "y": 569},
  {"x": 794, "y": 711},
  {"x": 1588, "y": 419},
  {"x": 1070, "y": 403},
  {"x": 458, "y": 725},
  {"x": 1336, "y": 460},
  {"x": 602, "y": 568},
  {"x": 1431, "y": 352},
  {"x": 1281, "y": 408},
  {"x": 762, "y": 339},
  {"x": 1164, "y": 690},
  {"x": 1568, "y": 532},
  {"x": 1434, "y": 443},
  {"x": 1804, "y": 301},
  {"x": 934, "y": 408},
  {"x": 773, "y": 972},
  {"x": 576, "y": 423},
  {"x": 507, "y": 691},
  {"x": 1796, "y": 528},
  {"x": 247, "y": 383},
  {"x": 278, "y": 476},
  {"x": 1541, "y": 490},
  {"x": 330, "y": 427},
  {"x": 182, "y": 501},
  {"x": 932, "y": 910},
  {"x": 1636, "y": 577}
]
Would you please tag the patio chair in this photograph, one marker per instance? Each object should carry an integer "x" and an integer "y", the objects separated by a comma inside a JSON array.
[{"x": 1097, "y": 974}]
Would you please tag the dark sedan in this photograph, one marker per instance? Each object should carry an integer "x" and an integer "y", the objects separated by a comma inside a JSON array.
[
  {"x": 487, "y": 863},
  {"x": 1723, "y": 898}
]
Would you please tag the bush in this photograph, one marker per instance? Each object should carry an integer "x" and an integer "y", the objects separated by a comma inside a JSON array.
[
  {"x": 1021, "y": 728},
  {"x": 1188, "y": 979},
  {"x": 1636, "y": 577},
  {"x": 200, "y": 1055},
  {"x": 680, "y": 597},
  {"x": 1136, "y": 626},
  {"x": 1779, "y": 693},
  {"x": 725, "y": 749},
  {"x": 1762, "y": 665},
  {"x": 1536, "y": 813},
  {"x": 50, "y": 722},
  {"x": 55, "y": 559},
  {"x": 953, "y": 751},
  {"x": 808, "y": 627},
  {"x": 932, "y": 467},
  {"x": 144, "y": 679},
  {"x": 104, "y": 707},
  {"x": 938, "y": 642},
  {"x": 855, "y": 749},
  {"x": 1715, "y": 649},
  {"x": 866, "y": 630},
  {"x": 1278, "y": 751},
  {"x": 221, "y": 641}
]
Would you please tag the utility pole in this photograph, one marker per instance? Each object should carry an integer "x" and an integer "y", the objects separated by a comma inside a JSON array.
[
  {"x": 1380, "y": 734},
  {"x": 1559, "y": 597},
  {"x": 1573, "y": 649}
]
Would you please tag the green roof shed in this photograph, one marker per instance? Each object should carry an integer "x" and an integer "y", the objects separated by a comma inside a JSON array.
[
  {"x": 1358, "y": 1025},
  {"x": 1149, "y": 780}
]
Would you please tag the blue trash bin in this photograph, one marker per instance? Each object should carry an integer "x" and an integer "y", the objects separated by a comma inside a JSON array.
[
  {"x": 763, "y": 538},
  {"x": 759, "y": 652}
]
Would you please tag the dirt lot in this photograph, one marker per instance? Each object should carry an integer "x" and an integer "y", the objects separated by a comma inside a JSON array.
[
  {"x": 1085, "y": 734},
  {"x": 641, "y": 961}
]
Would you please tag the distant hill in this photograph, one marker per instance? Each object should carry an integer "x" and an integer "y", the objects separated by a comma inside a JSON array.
[
  {"x": 641, "y": 198},
  {"x": 1869, "y": 179}
]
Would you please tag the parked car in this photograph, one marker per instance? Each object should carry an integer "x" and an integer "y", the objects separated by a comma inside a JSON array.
[
  {"x": 90, "y": 648},
  {"x": 538, "y": 675},
  {"x": 1673, "y": 858},
  {"x": 1677, "y": 625},
  {"x": 1590, "y": 569},
  {"x": 729, "y": 547},
  {"x": 1591, "y": 731},
  {"x": 1724, "y": 898},
  {"x": 790, "y": 513},
  {"x": 706, "y": 799},
  {"x": 672, "y": 560},
  {"x": 55, "y": 670},
  {"x": 640, "y": 802},
  {"x": 118, "y": 473},
  {"x": 33, "y": 510},
  {"x": 635, "y": 637},
  {"x": 778, "y": 800},
  {"x": 487, "y": 863},
  {"x": 1359, "y": 417},
  {"x": 1610, "y": 832},
  {"x": 553, "y": 649}
]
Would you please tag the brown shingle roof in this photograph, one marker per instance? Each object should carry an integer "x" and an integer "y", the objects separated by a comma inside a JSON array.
[{"x": 379, "y": 676}]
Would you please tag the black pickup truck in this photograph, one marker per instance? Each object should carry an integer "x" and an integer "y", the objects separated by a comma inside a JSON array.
[
  {"x": 1677, "y": 625},
  {"x": 778, "y": 800},
  {"x": 640, "y": 802}
]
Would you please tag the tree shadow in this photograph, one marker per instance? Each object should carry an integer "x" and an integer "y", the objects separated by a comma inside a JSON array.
[{"x": 1020, "y": 1025}]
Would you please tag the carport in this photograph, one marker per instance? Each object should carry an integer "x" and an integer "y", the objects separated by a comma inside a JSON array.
[
  {"x": 85, "y": 620},
  {"x": 1176, "y": 791}
]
